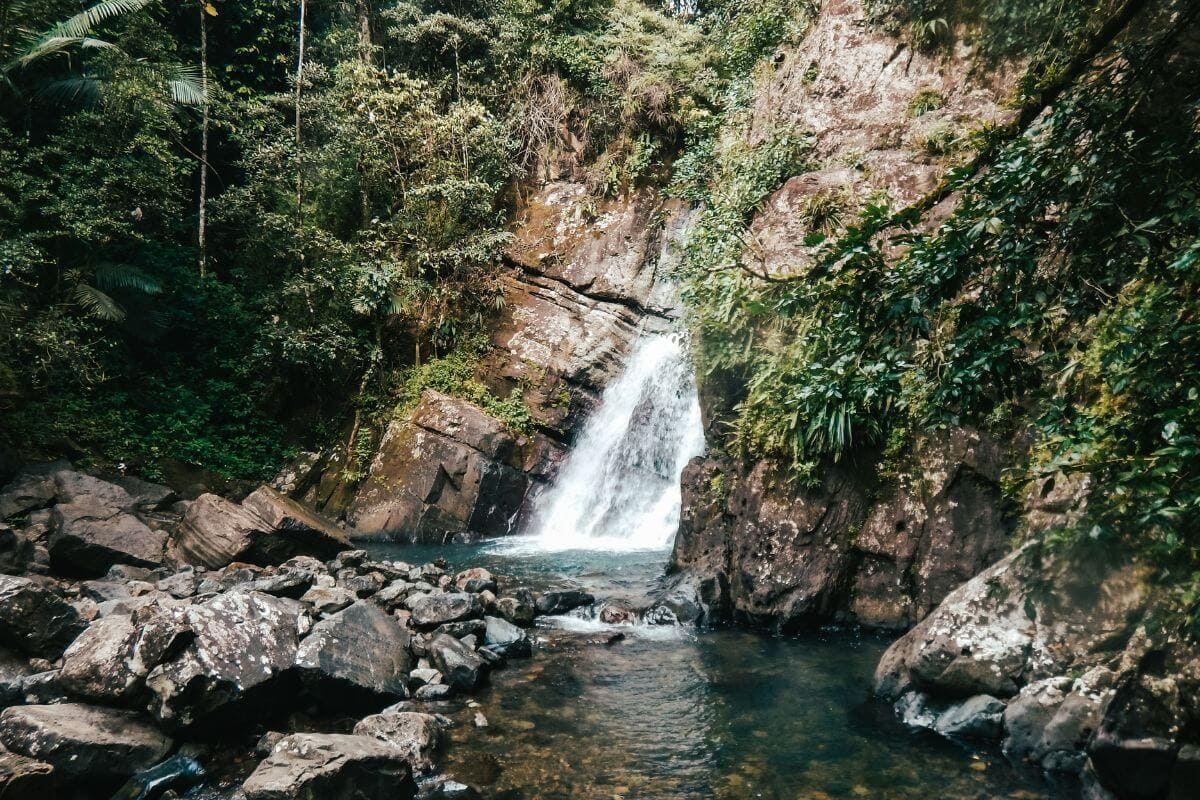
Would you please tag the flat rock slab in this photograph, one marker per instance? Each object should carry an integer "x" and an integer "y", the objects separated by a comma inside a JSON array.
[
  {"x": 81, "y": 741},
  {"x": 315, "y": 766},
  {"x": 358, "y": 654}
]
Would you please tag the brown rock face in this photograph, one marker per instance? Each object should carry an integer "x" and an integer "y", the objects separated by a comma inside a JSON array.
[
  {"x": 267, "y": 528},
  {"x": 775, "y": 554},
  {"x": 448, "y": 470}
]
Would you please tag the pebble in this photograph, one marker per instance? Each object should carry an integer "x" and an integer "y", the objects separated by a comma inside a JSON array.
[{"x": 480, "y": 720}]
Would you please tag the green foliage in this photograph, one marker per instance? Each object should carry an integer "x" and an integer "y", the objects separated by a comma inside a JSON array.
[
  {"x": 1061, "y": 289},
  {"x": 924, "y": 101},
  {"x": 338, "y": 255},
  {"x": 454, "y": 374}
]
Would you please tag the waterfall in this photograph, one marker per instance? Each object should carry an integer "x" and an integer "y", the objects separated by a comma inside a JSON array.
[{"x": 619, "y": 489}]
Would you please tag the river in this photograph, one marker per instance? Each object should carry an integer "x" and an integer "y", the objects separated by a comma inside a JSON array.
[{"x": 666, "y": 711}]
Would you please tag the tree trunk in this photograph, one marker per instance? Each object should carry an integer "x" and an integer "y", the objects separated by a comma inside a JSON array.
[
  {"x": 201, "y": 233},
  {"x": 299, "y": 87},
  {"x": 366, "y": 53}
]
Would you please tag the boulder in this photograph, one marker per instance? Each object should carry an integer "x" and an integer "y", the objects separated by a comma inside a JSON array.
[
  {"x": 14, "y": 669},
  {"x": 109, "y": 661},
  {"x": 996, "y": 632},
  {"x": 1134, "y": 748},
  {"x": 357, "y": 655},
  {"x": 415, "y": 735},
  {"x": 215, "y": 532},
  {"x": 462, "y": 668},
  {"x": 560, "y": 601},
  {"x": 507, "y": 639},
  {"x": 475, "y": 580},
  {"x": 83, "y": 741},
  {"x": 87, "y": 537},
  {"x": 33, "y": 489},
  {"x": 977, "y": 717},
  {"x": 34, "y": 620},
  {"x": 517, "y": 610},
  {"x": 327, "y": 600},
  {"x": 447, "y": 470},
  {"x": 242, "y": 648},
  {"x": 316, "y": 766},
  {"x": 298, "y": 530},
  {"x": 291, "y": 583},
  {"x": 267, "y": 528},
  {"x": 24, "y": 778},
  {"x": 438, "y": 609}
]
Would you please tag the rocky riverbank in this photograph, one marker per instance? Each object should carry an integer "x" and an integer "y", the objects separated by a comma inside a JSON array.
[{"x": 246, "y": 646}]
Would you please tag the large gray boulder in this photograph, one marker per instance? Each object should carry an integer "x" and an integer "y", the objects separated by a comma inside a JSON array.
[
  {"x": 34, "y": 620},
  {"x": 215, "y": 532},
  {"x": 109, "y": 662},
  {"x": 83, "y": 741},
  {"x": 433, "y": 610},
  {"x": 242, "y": 649},
  {"x": 267, "y": 529},
  {"x": 328, "y": 766},
  {"x": 414, "y": 734},
  {"x": 359, "y": 654},
  {"x": 462, "y": 668},
  {"x": 87, "y": 536}
]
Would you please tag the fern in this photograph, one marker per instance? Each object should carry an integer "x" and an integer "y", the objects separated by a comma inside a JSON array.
[{"x": 98, "y": 304}]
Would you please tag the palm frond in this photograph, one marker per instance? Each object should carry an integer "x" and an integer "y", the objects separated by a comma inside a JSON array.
[
  {"x": 86, "y": 21},
  {"x": 77, "y": 89},
  {"x": 56, "y": 44},
  {"x": 76, "y": 31},
  {"x": 98, "y": 304},
  {"x": 124, "y": 276}
]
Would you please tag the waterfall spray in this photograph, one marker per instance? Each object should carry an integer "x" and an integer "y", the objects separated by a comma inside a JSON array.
[{"x": 619, "y": 490}]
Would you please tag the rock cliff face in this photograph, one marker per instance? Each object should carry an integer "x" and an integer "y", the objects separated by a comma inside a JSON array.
[
  {"x": 856, "y": 549},
  {"x": 583, "y": 282}
]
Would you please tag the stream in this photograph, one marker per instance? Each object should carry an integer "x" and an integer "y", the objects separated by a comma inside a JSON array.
[{"x": 667, "y": 711}]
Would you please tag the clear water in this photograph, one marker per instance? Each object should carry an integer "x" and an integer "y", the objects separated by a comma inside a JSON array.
[{"x": 676, "y": 713}]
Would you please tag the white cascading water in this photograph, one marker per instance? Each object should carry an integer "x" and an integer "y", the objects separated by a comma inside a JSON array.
[{"x": 619, "y": 489}]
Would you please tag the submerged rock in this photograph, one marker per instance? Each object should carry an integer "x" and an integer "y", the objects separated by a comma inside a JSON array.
[
  {"x": 83, "y": 741},
  {"x": 316, "y": 766},
  {"x": 179, "y": 772},
  {"x": 506, "y": 638},
  {"x": 560, "y": 601}
]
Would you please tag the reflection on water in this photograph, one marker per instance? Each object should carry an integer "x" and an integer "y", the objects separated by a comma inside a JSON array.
[{"x": 674, "y": 713}]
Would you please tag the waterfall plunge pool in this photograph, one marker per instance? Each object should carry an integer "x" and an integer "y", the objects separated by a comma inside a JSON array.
[{"x": 671, "y": 713}]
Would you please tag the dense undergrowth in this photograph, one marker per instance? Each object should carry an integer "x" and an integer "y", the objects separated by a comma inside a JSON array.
[
  {"x": 1060, "y": 295},
  {"x": 356, "y": 208}
]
